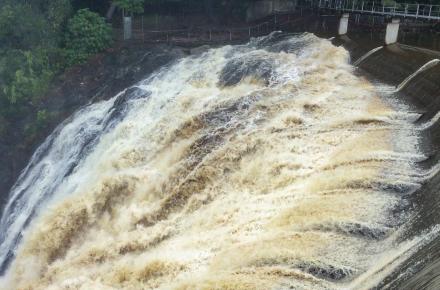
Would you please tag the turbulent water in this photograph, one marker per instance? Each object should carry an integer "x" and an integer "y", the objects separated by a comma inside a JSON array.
[{"x": 270, "y": 165}]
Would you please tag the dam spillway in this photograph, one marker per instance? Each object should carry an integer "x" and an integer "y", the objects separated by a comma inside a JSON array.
[
  {"x": 421, "y": 94},
  {"x": 270, "y": 165}
]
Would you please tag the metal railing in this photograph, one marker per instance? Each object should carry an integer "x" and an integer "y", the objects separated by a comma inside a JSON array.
[
  {"x": 200, "y": 34},
  {"x": 423, "y": 11}
]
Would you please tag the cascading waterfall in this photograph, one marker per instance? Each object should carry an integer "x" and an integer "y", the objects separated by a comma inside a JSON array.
[{"x": 258, "y": 166}]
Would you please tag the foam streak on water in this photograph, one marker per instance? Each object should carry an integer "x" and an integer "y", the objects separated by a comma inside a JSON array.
[{"x": 263, "y": 166}]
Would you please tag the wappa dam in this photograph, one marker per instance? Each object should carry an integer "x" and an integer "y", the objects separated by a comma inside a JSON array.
[{"x": 305, "y": 157}]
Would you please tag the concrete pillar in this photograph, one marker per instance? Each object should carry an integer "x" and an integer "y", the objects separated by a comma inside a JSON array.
[
  {"x": 127, "y": 28},
  {"x": 392, "y": 31},
  {"x": 343, "y": 24}
]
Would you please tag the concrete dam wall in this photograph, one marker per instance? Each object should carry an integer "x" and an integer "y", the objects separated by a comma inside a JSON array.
[{"x": 392, "y": 65}]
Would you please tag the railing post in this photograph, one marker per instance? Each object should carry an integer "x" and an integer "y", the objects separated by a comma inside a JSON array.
[
  {"x": 372, "y": 7},
  {"x": 417, "y": 13},
  {"x": 128, "y": 29},
  {"x": 343, "y": 24},
  {"x": 392, "y": 31},
  {"x": 362, "y": 9},
  {"x": 430, "y": 9}
]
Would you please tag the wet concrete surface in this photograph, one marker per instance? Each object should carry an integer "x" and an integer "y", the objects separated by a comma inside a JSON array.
[{"x": 391, "y": 65}]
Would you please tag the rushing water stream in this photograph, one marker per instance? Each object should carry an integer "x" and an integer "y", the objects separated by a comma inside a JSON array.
[{"x": 270, "y": 165}]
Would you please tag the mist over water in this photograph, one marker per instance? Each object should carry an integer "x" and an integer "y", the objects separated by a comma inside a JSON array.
[{"x": 270, "y": 165}]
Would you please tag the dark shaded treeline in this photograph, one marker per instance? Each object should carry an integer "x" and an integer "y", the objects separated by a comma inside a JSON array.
[{"x": 213, "y": 8}]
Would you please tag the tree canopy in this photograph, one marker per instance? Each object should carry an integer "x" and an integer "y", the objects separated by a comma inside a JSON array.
[
  {"x": 39, "y": 39},
  {"x": 133, "y": 6}
]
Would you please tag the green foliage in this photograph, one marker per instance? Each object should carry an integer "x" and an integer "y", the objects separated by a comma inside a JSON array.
[
  {"x": 29, "y": 51},
  {"x": 57, "y": 13},
  {"x": 36, "y": 42},
  {"x": 22, "y": 28},
  {"x": 25, "y": 74},
  {"x": 133, "y": 6},
  {"x": 87, "y": 34},
  {"x": 42, "y": 117}
]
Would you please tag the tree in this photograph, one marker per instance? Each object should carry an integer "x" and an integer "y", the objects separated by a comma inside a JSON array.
[
  {"x": 37, "y": 42},
  {"x": 130, "y": 6},
  {"x": 26, "y": 75},
  {"x": 87, "y": 34},
  {"x": 21, "y": 27}
]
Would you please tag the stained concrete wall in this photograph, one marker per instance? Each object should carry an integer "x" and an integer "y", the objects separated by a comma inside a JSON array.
[
  {"x": 127, "y": 28},
  {"x": 392, "y": 32},
  {"x": 392, "y": 65},
  {"x": 261, "y": 9},
  {"x": 343, "y": 24}
]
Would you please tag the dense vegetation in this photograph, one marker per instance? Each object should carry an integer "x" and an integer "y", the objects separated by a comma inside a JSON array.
[
  {"x": 39, "y": 39},
  {"x": 86, "y": 34}
]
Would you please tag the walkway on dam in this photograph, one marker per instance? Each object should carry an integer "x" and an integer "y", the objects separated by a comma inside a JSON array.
[{"x": 406, "y": 10}]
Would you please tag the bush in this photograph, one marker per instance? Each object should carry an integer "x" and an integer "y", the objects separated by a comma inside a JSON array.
[
  {"x": 87, "y": 34},
  {"x": 25, "y": 77},
  {"x": 57, "y": 12}
]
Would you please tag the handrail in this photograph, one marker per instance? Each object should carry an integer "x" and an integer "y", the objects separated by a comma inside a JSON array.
[
  {"x": 201, "y": 31},
  {"x": 426, "y": 11},
  {"x": 210, "y": 29}
]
